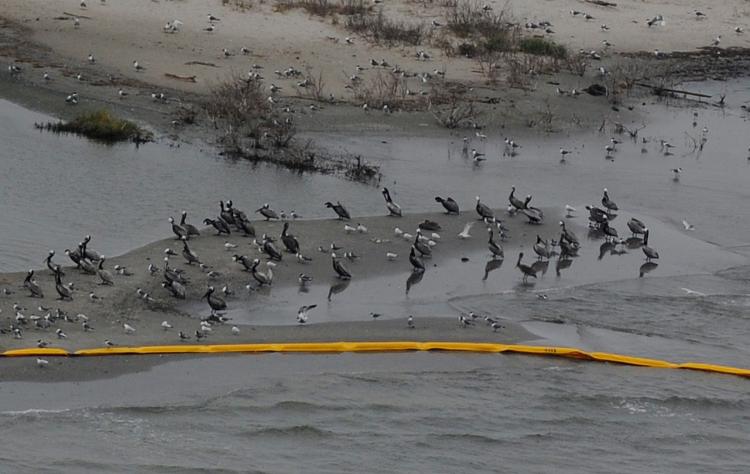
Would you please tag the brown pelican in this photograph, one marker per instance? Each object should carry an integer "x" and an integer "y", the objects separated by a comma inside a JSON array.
[
  {"x": 339, "y": 209},
  {"x": 393, "y": 208},
  {"x": 607, "y": 202},
  {"x": 104, "y": 275},
  {"x": 525, "y": 269},
  {"x": 650, "y": 252},
  {"x": 190, "y": 229},
  {"x": 30, "y": 284},
  {"x": 415, "y": 261},
  {"x": 451, "y": 206},
  {"x": 215, "y": 302},
  {"x": 483, "y": 210},
  {"x": 340, "y": 269},
  {"x": 495, "y": 248},
  {"x": 289, "y": 241},
  {"x": 178, "y": 230},
  {"x": 267, "y": 212}
]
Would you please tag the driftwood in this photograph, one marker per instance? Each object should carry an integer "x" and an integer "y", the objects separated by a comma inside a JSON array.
[
  {"x": 601, "y": 3},
  {"x": 180, "y": 78},
  {"x": 73, "y": 15},
  {"x": 200, "y": 63},
  {"x": 658, "y": 90}
]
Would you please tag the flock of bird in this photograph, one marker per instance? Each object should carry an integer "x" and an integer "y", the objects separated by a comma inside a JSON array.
[{"x": 231, "y": 220}]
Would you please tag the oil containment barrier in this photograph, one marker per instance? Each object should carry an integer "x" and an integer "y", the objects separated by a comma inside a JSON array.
[{"x": 389, "y": 346}]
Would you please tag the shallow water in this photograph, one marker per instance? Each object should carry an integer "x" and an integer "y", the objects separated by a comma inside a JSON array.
[
  {"x": 420, "y": 412},
  {"x": 57, "y": 188}
]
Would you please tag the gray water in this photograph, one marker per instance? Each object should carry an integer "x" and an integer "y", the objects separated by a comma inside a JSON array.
[{"x": 418, "y": 412}]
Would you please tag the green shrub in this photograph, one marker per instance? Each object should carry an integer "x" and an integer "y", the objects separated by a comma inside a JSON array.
[{"x": 542, "y": 47}]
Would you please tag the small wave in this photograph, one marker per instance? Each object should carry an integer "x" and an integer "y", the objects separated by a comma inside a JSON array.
[
  {"x": 297, "y": 431},
  {"x": 468, "y": 437},
  {"x": 34, "y": 411}
]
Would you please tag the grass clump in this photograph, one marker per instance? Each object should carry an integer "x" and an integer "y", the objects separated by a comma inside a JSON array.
[
  {"x": 325, "y": 7},
  {"x": 100, "y": 125},
  {"x": 382, "y": 30},
  {"x": 542, "y": 47}
]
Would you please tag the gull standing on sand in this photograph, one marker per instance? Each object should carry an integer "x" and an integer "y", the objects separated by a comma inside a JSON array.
[{"x": 137, "y": 66}]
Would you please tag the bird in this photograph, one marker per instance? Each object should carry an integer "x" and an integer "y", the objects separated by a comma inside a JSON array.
[
  {"x": 105, "y": 276},
  {"x": 676, "y": 174},
  {"x": 607, "y": 202},
  {"x": 687, "y": 225},
  {"x": 361, "y": 229},
  {"x": 495, "y": 249},
  {"x": 41, "y": 363},
  {"x": 339, "y": 209},
  {"x": 128, "y": 328},
  {"x": 30, "y": 284},
  {"x": 716, "y": 41},
  {"x": 464, "y": 234},
  {"x": 650, "y": 253},
  {"x": 483, "y": 210},
  {"x": 570, "y": 211},
  {"x": 415, "y": 261},
  {"x": 302, "y": 313},
  {"x": 393, "y": 208},
  {"x": 410, "y": 322},
  {"x": 476, "y": 156},
  {"x": 349, "y": 229},
  {"x": 267, "y": 212},
  {"x": 449, "y": 204},
  {"x": 564, "y": 153},
  {"x": 60, "y": 334},
  {"x": 91, "y": 58},
  {"x": 525, "y": 269},
  {"x": 165, "y": 325},
  {"x": 122, "y": 93},
  {"x": 214, "y": 302},
  {"x": 235, "y": 331},
  {"x": 391, "y": 256},
  {"x": 636, "y": 226},
  {"x": 304, "y": 279},
  {"x": 339, "y": 268},
  {"x": 738, "y": 30}
]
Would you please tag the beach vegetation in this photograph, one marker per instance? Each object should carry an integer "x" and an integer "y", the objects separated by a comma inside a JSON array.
[
  {"x": 542, "y": 47},
  {"x": 382, "y": 30},
  {"x": 325, "y": 8},
  {"x": 100, "y": 125}
]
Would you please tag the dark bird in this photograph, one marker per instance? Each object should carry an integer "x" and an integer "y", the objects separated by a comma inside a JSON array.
[
  {"x": 178, "y": 230},
  {"x": 190, "y": 229},
  {"x": 393, "y": 208},
  {"x": 495, "y": 248},
  {"x": 216, "y": 303},
  {"x": 450, "y": 206},
  {"x": 415, "y": 261},
  {"x": 267, "y": 212},
  {"x": 514, "y": 201},
  {"x": 339, "y": 209},
  {"x": 30, "y": 284},
  {"x": 607, "y": 202},
  {"x": 289, "y": 241},
  {"x": 525, "y": 269},
  {"x": 104, "y": 275},
  {"x": 219, "y": 224},
  {"x": 636, "y": 226},
  {"x": 651, "y": 254},
  {"x": 484, "y": 211},
  {"x": 339, "y": 268}
]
